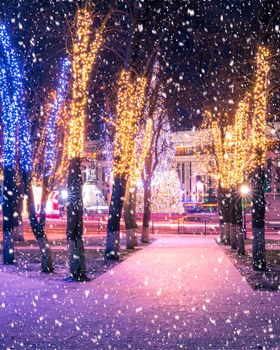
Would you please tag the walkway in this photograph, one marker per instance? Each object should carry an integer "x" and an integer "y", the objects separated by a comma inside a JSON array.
[{"x": 181, "y": 292}]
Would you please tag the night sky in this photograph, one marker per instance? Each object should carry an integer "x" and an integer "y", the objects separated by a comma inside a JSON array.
[{"x": 206, "y": 51}]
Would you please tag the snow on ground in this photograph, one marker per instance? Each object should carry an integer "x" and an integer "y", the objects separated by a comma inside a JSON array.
[{"x": 181, "y": 292}]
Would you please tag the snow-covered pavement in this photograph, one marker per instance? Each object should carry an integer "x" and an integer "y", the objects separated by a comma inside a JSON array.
[{"x": 181, "y": 292}]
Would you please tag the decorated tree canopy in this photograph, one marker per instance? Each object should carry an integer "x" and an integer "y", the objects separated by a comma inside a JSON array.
[
  {"x": 47, "y": 155},
  {"x": 84, "y": 55},
  {"x": 240, "y": 145},
  {"x": 11, "y": 90},
  {"x": 260, "y": 102},
  {"x": 131, "y": 95}
]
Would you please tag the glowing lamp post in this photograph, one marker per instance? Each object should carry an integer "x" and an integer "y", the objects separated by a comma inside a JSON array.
[
  {"x": 199, "y": 191},
  {"x": 245, "y": 190}
]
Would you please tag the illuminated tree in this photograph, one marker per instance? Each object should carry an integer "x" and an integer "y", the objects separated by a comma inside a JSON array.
[
  {"x": 166, "y": 191},
  {"x": 47, "y": 156},
  {"x": 229, "y": 146},
  {"x": 19, "y": 199},
  {"x": 159, "y": 149},
  {"x": 39, "y": 143},
  {"x": 241, "y": 168},
  {"x": 8, "y": 91},
  {"x": 84, "y": 55},
  {"x": 15, "y": 120},
  {"x": 131, "y": 95},
  {"x": 51, "y": 154},
  {"x": 240, "y": 153},
  {"x": 140, "y": 53},
  {"x": 259, "y": 147},
  {"x": 217, "y": 125},
  {"x": 62, "y": 145},
  {"x": 141, "y": 148},
  {"x": 234, "y": 166}
]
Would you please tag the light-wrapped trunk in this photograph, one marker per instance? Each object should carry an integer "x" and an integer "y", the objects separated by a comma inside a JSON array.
[
  {"x": 75, "y": 222},
  {"x": 226, "y": 217},
  {"x": 9, "y": 190},
  {"x": 18, "y": 224},
  {"x": 239, "y": 230},
  {"x": 258, "y": 223},
  {"x": 145, "y": 238},
  {"x": 130, "y": 216},
  {"x": 112, "y": 251},
  {"x": 233, "y": 226},
  {"x": 221, "y": 209}
]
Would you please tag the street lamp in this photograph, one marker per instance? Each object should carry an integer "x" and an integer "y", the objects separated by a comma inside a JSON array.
[
  {"x": 64, "y": 194},
  {"x": 245, "y": 190}
]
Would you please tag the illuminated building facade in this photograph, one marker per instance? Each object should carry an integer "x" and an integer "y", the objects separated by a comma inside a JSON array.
[
  {"x": 198, "y": 184},
  {"x": 193, "y": 166}
]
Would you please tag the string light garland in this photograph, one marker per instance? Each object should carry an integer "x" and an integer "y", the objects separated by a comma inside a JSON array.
[
  {"x": 231, "y": 147},
  {"x": 17, "y": 108},
  {"x": 238, "y": 148},
  {"x": 143, "y": 153},
  {"x": 14, "y": 107},
  {"x": 84, "y": 56},
  {"x": 221, "y": 140},
  {"x": 166, "y": 192},
  {"x": 242, "y": 148},
  {"x": 259, "y": 138},
  {"x": 63, "y": 132},
  {"x": 218, "y": 147},
  {"x": 53, "y": 118},
  {"x": 38, "y": 157},
  {"x": 10, "y": 83},
  {"x": 131, "y": 96}
]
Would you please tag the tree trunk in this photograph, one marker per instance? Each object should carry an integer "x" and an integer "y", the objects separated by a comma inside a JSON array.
[
  {"x": 130, "y": 216},
  {"x": 226, "y": 217},
  {"x": 239, "y": 231},
  {"x": 9, "y": 190},
  {"x": 221, "y": 209},
  {"x": 75, "y": 222},
  {"x": 37, "y": 229},
  {"x": 44, "y": 198},
  {"x": 258, "y": 223},
  {"x": 112, "y": 251},
  {"x": 147, "y": 211},
  {"x": 134, "y": 209},
  {"x": 18, "y": 224},
  {"x": 233, "y": 223}
]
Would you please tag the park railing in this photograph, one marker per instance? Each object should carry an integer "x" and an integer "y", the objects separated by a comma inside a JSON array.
[
  {"x": 57, "y": 227},
  {"x": 180, "y": 227}
]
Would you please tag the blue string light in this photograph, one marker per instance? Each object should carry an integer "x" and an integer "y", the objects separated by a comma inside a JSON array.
[
  {"x": 14, "y": 109},
  {"x": 12, "y": 95},
  {"x": 51, "y": 125},
  {"x": 9, "y": 98}
]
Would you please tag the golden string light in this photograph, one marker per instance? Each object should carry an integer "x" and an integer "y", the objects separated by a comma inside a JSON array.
[
  {"x": 222, "y": 143},
  {"x": 83, "y": 58},
  {"x": 237, "y": 148},
  {"x": 242, "y": 149},
  {"x": 143, "y": 154},
  {"x": 131, "y": 95},
  {"x": 227, "y": 180},
  {"x": 231, "y": 145},
  {"x": 259, "y": 138},
  {"x": 63, "y": 131}
]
